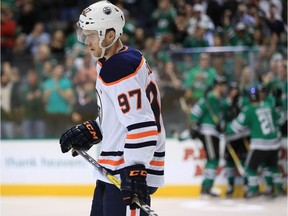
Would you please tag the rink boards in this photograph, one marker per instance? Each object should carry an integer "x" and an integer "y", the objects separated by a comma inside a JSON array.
[{"x": 37, "y": 167}]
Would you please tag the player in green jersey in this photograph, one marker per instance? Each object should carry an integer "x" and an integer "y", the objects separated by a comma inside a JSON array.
[
  {"x": 262, "y": 121},
  {"x": 238, "y": 142},
  {"x": 276, "y": 94},
  {"x": 282, "y": 95},
  {"x": 206, "y": 117}
]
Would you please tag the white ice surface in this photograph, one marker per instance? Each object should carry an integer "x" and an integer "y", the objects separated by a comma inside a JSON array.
[{"x": 80, "y": 206}]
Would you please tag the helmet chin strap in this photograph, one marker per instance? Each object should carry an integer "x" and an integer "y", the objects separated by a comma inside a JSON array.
[{"x": 105, "y": 48}]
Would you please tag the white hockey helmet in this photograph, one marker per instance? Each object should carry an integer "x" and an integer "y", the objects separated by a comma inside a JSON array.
[{"x": 99, "y": 17}]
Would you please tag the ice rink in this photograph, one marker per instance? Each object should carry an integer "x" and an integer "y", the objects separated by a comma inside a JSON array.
[{"x": 80, "y": 206}]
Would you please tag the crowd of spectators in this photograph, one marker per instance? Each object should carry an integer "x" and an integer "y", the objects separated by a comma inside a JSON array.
[{"x": 48, "y": 77}]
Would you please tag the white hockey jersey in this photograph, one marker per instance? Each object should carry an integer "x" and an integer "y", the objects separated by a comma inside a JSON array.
[{"x": 130, "y": 116}]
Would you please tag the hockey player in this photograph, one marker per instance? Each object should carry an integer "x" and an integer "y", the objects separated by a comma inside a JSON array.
[
  {"x": 206, "y": 117},
  {"x": 276, "y": 96},
  {"x": 129, "y": 126},
  {"x": 261, "y": 119},
  {"x": 281, "y": 95},
  {"x": 239, "y": 142}
]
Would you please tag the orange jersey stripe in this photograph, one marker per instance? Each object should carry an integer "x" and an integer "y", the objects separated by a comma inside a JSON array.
[
  {"x": 124, "y": 78},
  {"x": 157, "y": 163},
  {"x": 125, "y": 48},
  {"x": 111, "y": 162},
  {"x": 99, "y": 63},
  {"x": 142, "y": 134},
  {"x": 133, "y": 212}
]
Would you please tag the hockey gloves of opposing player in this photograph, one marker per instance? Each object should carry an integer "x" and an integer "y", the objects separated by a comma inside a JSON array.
[
  {"x": 133, "y": 182},
  {"x": 221, "y": 127},
  {"x": 194, "y": 131},
  {"x": 82, "y": 136}
]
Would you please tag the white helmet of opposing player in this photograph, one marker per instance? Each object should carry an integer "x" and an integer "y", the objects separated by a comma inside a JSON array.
[{"x": 100, "y": 17}]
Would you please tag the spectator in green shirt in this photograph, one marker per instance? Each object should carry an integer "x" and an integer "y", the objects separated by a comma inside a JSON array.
[
  {"x": 33, "y": 124},
  {"x": 197, "y": 39},
  {"x": 199, "y": 79},
  {"x": 164, "y": 20},
  {"x": 236, "y": 34}
]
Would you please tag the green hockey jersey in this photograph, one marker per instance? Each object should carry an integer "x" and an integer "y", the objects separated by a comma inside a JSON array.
[
  {"x": 199, "y": 80},
  {"x": 262, "y": 121},
  {"x": 207, "y": 113},
  {"x": 231, "y": 113}
]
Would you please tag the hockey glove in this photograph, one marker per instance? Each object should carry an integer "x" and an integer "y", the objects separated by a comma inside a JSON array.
[
  {"x": 221, "y": 127},
  {"x": 194, "y": 131},
  {"x": 133, "y": 183},
  {"x": 82, "y": 136}
]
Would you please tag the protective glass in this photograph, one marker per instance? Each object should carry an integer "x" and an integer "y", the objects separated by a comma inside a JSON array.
[{"x": 87, "y": 36}]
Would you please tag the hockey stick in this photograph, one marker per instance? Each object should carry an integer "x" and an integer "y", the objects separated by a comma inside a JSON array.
[
  {"x": 235, "y": 158},
  {"x": 183, "y": 105},
  {"x": 185, "y": 109},
  {"x": 228, "y": 145},
  {"x": 115, "y": 181}
]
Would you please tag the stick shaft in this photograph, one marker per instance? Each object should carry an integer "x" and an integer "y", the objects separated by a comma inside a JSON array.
[
  {"x": 146, "y": 208},
  {"x": 235, "y": 159}
]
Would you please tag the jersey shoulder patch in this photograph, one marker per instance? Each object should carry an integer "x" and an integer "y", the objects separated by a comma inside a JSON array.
[{"x": 121, "y": 66}]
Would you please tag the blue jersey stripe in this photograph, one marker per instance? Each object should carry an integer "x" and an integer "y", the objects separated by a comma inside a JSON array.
[
  {"x": 140, "y": 145},
  {"x": 149, "y": 171},
  {"x": 112, "y": 153},
  {"x": 141, "y": 125},
  {"x": 159, "y": 154}
]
